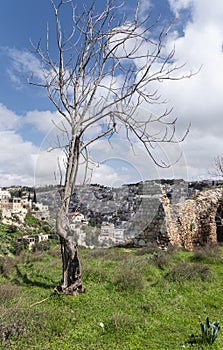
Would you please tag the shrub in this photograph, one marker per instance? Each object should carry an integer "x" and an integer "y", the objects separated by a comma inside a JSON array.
[
  {"x": 159, "y": 259},
  {"x": 41, "y": 246},
  {"x": 128, "y": 278},
  {"x": 18, "y": 247},
  {"x": 13, "y": 330},
  {"x": 149, "y": 249},
  {"x": 97, "y": 253},
  {"x": 7, "y": 293},
  {"x": 12, "y": 228},
  {"x": 95, "y": 274},
  {"x": 7, "y": 264},
  {"x": 185, "y": 271},
  {"x": 210, "y": 254}
]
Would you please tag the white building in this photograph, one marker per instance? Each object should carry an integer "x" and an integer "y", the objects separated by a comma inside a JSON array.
[
  {"x": 41, "y": 212},
  {"x": 119, "y": 235},
  {"x": 4, "y": 194},
  {"x": 77, "y": 217},
  {"x": 107, "y": 233}
]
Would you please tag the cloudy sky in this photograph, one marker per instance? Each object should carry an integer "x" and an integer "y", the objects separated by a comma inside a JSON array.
[{"x": 26, "y": 129}]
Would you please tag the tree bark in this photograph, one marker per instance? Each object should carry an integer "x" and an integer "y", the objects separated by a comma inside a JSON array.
[{"x": 71, "y": 277}]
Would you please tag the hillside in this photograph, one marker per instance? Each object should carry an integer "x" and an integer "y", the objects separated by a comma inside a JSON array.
[
  {"x": 13, "y": 229},
  {"x": 135, "y": 299}
]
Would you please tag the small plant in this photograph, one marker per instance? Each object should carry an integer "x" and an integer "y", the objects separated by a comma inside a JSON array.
[{"x": 209, "y": 333}]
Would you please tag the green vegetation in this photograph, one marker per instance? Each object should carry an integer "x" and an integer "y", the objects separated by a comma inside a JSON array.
[
  {"x": 9, "y": 233},
  {"x": 135, "y": 299},
  {"x": 8, "y": 236},
  {"x": 209, "y": 332}
]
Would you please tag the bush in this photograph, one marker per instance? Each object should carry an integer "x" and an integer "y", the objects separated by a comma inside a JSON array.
[
  {"x": 6, "y": 266},
  {"x": 159, "y": 259},
  {"x": 149, "y": 249},
  {"x": 13, "y": 330},
  {"x": 185, "y": 271},
  {"x": 12, "y": 228},
  {"x": 18, "y": 247},
  {"x": 97, "y": 253},
  {"x": 210, "y": 254},
  {"x": 41, "y": 246},
  {"x": 7, "y": 293},
  {"x": 128, "y": 278}
]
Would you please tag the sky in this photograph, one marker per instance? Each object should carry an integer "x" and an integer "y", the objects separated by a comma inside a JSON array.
[{"x": 26, "y": 114}]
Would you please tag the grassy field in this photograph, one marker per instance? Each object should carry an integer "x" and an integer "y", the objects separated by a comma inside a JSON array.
[{"x": 135, "y": 299}]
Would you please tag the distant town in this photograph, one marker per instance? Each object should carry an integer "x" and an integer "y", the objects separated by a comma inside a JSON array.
[{"x": 99, "y": 216}]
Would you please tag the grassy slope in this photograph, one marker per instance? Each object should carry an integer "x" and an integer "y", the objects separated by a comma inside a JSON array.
[{"x": 133, "y": 301}]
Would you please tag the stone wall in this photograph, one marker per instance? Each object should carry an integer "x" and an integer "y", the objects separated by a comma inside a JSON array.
[
  {"x": 168, "y": 216},
  {"x": 192, "y": 223},
  {"x": 150, "y": 222}
]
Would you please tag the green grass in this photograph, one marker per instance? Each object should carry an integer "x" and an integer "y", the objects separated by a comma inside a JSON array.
[{"x": 133, "y": 300}]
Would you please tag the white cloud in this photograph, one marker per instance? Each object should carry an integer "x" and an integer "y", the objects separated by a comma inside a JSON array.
[
  {"x": 178, "y": 5},
  {"x": 21, "y": 162},
  {"x": 43, "y": 121},
  {"x": 145, "y": 6},
  {"x": 16, "y": 161},
  {"x": 24, "y": 65},
  {"x": 46, "y": 169},
  {"x": 197, "y": 100},
  {"x": 8, "y": 119}
]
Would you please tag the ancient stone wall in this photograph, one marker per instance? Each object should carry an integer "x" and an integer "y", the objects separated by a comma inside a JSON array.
[
  {"x": 192, "y": 223},
  {"x": 171, "y": 218},
  {"x": 150, "y": 222}
]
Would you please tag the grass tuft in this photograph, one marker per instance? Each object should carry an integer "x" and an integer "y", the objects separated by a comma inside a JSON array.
[
  {"x": 210, "y": 254},
  {"x": 185, "y": 271}
]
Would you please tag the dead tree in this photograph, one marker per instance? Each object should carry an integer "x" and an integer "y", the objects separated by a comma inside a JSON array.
[
  {"x": 218, "y": 168},
  {"x": 105, "y": 68}
]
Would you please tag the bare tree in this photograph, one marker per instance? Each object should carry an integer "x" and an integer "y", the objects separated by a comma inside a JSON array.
[
  {"x": 105, "y": 69},
  {"x": 218, "y": 168}
]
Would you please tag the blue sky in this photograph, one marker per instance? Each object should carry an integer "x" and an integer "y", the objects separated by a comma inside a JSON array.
[{"x": 26, "y": 131}]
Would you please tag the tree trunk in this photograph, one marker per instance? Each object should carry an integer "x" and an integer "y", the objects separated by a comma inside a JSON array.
[{"x": 71, "y": 277}]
